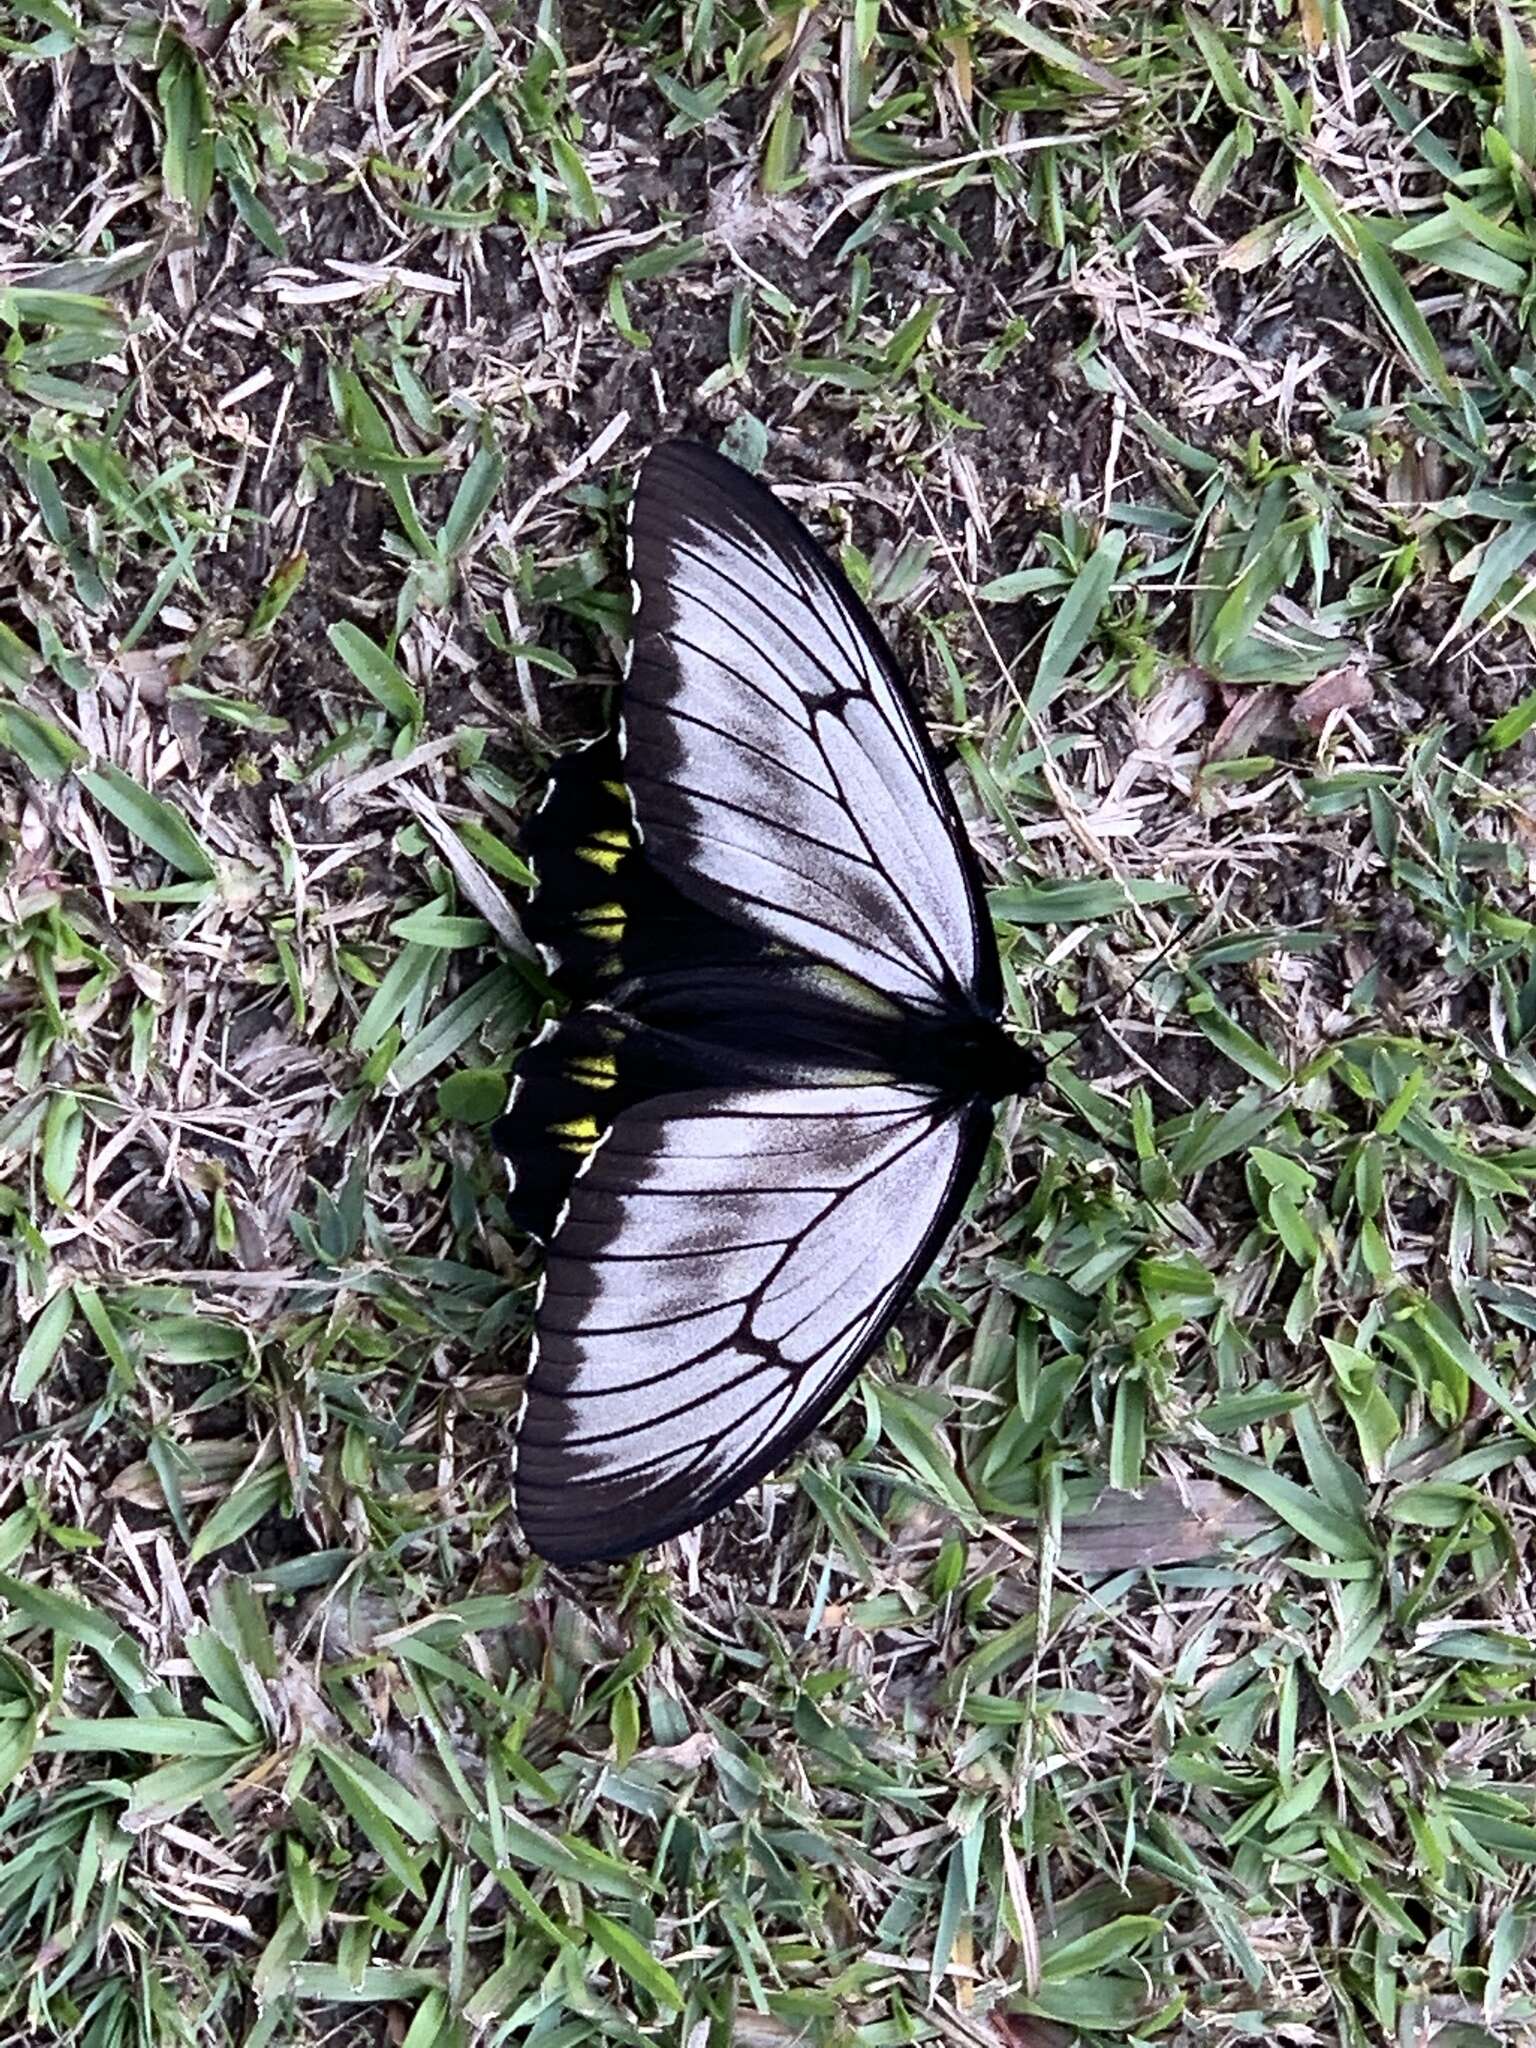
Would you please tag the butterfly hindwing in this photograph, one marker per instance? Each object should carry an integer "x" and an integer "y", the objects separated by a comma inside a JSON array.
[
  {"x": 728, "y": 1260},
  {"x": 587, "y": 1068}
]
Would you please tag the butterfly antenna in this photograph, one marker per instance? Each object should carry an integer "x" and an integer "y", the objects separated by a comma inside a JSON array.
[
  {"x": 1066, "y": 803},
  {"x": 1096, "y": 1010}
]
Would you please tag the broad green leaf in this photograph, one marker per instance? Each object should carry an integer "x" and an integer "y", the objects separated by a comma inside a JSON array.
[
  {"x": 281, "y": 588},
  {"x": 1091, "y": 1953},
  {"x": 1399, "y": 309},
  {"x": 239, "y": 711},
  {"x": 1092, "y": 2006},
  {"x": 1513, "y": 726},
  {"x": 1051, "y": 50},
  {"x": 432, "y": 927},
  {"x": 1381, "y": 277},
  {"x": 499, "y": 994},
  {"x": 42, "y": 1344},
  {"x": 618, "y": 313},
  {"x": 250, "y": 208},
  {"x": 407, "y": 975},
  {"x": 1076, "y": 618},
  {"x": 157, "y": 824},
  {"x": 830, "y": 370},
  {"x": 64, "y": 31},
  {"x": 372, "y": 1822},
  {"x": 1240, "y": 1046},
  {"x": 192, "y": 1339},
  {"x": 47, "y": 751},
  {"x": 146, "y": 1735},
  {"x": 189, "y": 129},
  {"x": 1358, "y": 1378},
  {"x": 911, "y": 1431},
  {"x": 1077, "y": 902},
  {"x": 392, "y": 1798},
  {"x": 240, "y": 1511},
  {"x": 1448, "y": 1342},
  {"x": 474, "y": 1095},
  {"x": 1021, "y": 583},
  {"x": 570, "y": 1858},
  {"x": 1503, "y": 557},
  {"x": 579, "y": 189},
  {"x": 1220, "y": 63},
  {"x": 1338, "y": 1534},
  {"x": 63, "y": 1134},
  {"x": 159, "y": 1795},
  {"x": 19, "y": 663},
  {"x": 473, "y": 499},
  {"x": 1517, "y": 118},
  {"x": 907, "y": 342},
  {"x": 384, "y": 680},
  {"x": 75, "y": 1622},
  {"x": 634, "y": 1960},
  {"x": 20, "y": 1716},
  {"x": 433, "y": 2025}
]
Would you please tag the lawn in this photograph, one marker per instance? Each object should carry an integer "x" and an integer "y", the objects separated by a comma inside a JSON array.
[{"x": 1144, "y": 1651}]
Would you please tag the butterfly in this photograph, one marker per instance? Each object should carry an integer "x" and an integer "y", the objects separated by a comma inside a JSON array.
[{"x": 746, "y": 1142}]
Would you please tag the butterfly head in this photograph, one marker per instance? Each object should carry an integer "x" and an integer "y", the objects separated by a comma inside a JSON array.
[{"x": 983, "y": 1059}]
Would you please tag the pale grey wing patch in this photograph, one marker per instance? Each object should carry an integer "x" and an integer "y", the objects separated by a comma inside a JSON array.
[
  {"x": 838, "y": 912},
  {"x": 731, "y": 626},
  {"x": 638, "y": 1293},
  {"x": 742, "y": 1221},
  {"x": 567, "y": 1349},
  {"x": 897, "y": 837},
  {"x": 804, "y": 1305},
  {"x": 778, "y": 771},
  {"x": 681, "y": 1352},
  {"x": 736, "y": 768}
]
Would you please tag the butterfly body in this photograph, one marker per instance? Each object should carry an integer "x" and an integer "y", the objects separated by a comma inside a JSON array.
[
  {"x": 748, "y": 1139},
  {"x": 785, "y": 1021}
]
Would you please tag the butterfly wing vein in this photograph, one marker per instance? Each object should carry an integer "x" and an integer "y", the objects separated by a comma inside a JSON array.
[{"x": 778, "y": 765}]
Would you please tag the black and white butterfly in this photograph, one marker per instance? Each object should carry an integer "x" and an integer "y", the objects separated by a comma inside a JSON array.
[{"x": 747, "y": 1143}]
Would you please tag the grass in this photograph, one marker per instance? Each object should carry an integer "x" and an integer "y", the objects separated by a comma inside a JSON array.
[{"x": 1145, "y": 1653}]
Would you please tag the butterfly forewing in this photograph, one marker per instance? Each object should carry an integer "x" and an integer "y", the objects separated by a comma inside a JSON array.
[
  {"x": 778, "y": 768},
  {"x": 727, "y": 1261}
]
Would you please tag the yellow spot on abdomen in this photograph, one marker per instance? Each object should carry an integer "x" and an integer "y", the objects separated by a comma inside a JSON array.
[
  {"x": 580, "y": 1134},
  {"x": 605, "y": 857},
  {"x": 594, "y": 1070}
]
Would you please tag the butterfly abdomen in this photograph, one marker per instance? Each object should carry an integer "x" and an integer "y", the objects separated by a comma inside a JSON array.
[
  {"x": 567, "y": 1094},
  {"x": 581, "y": 844}
]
